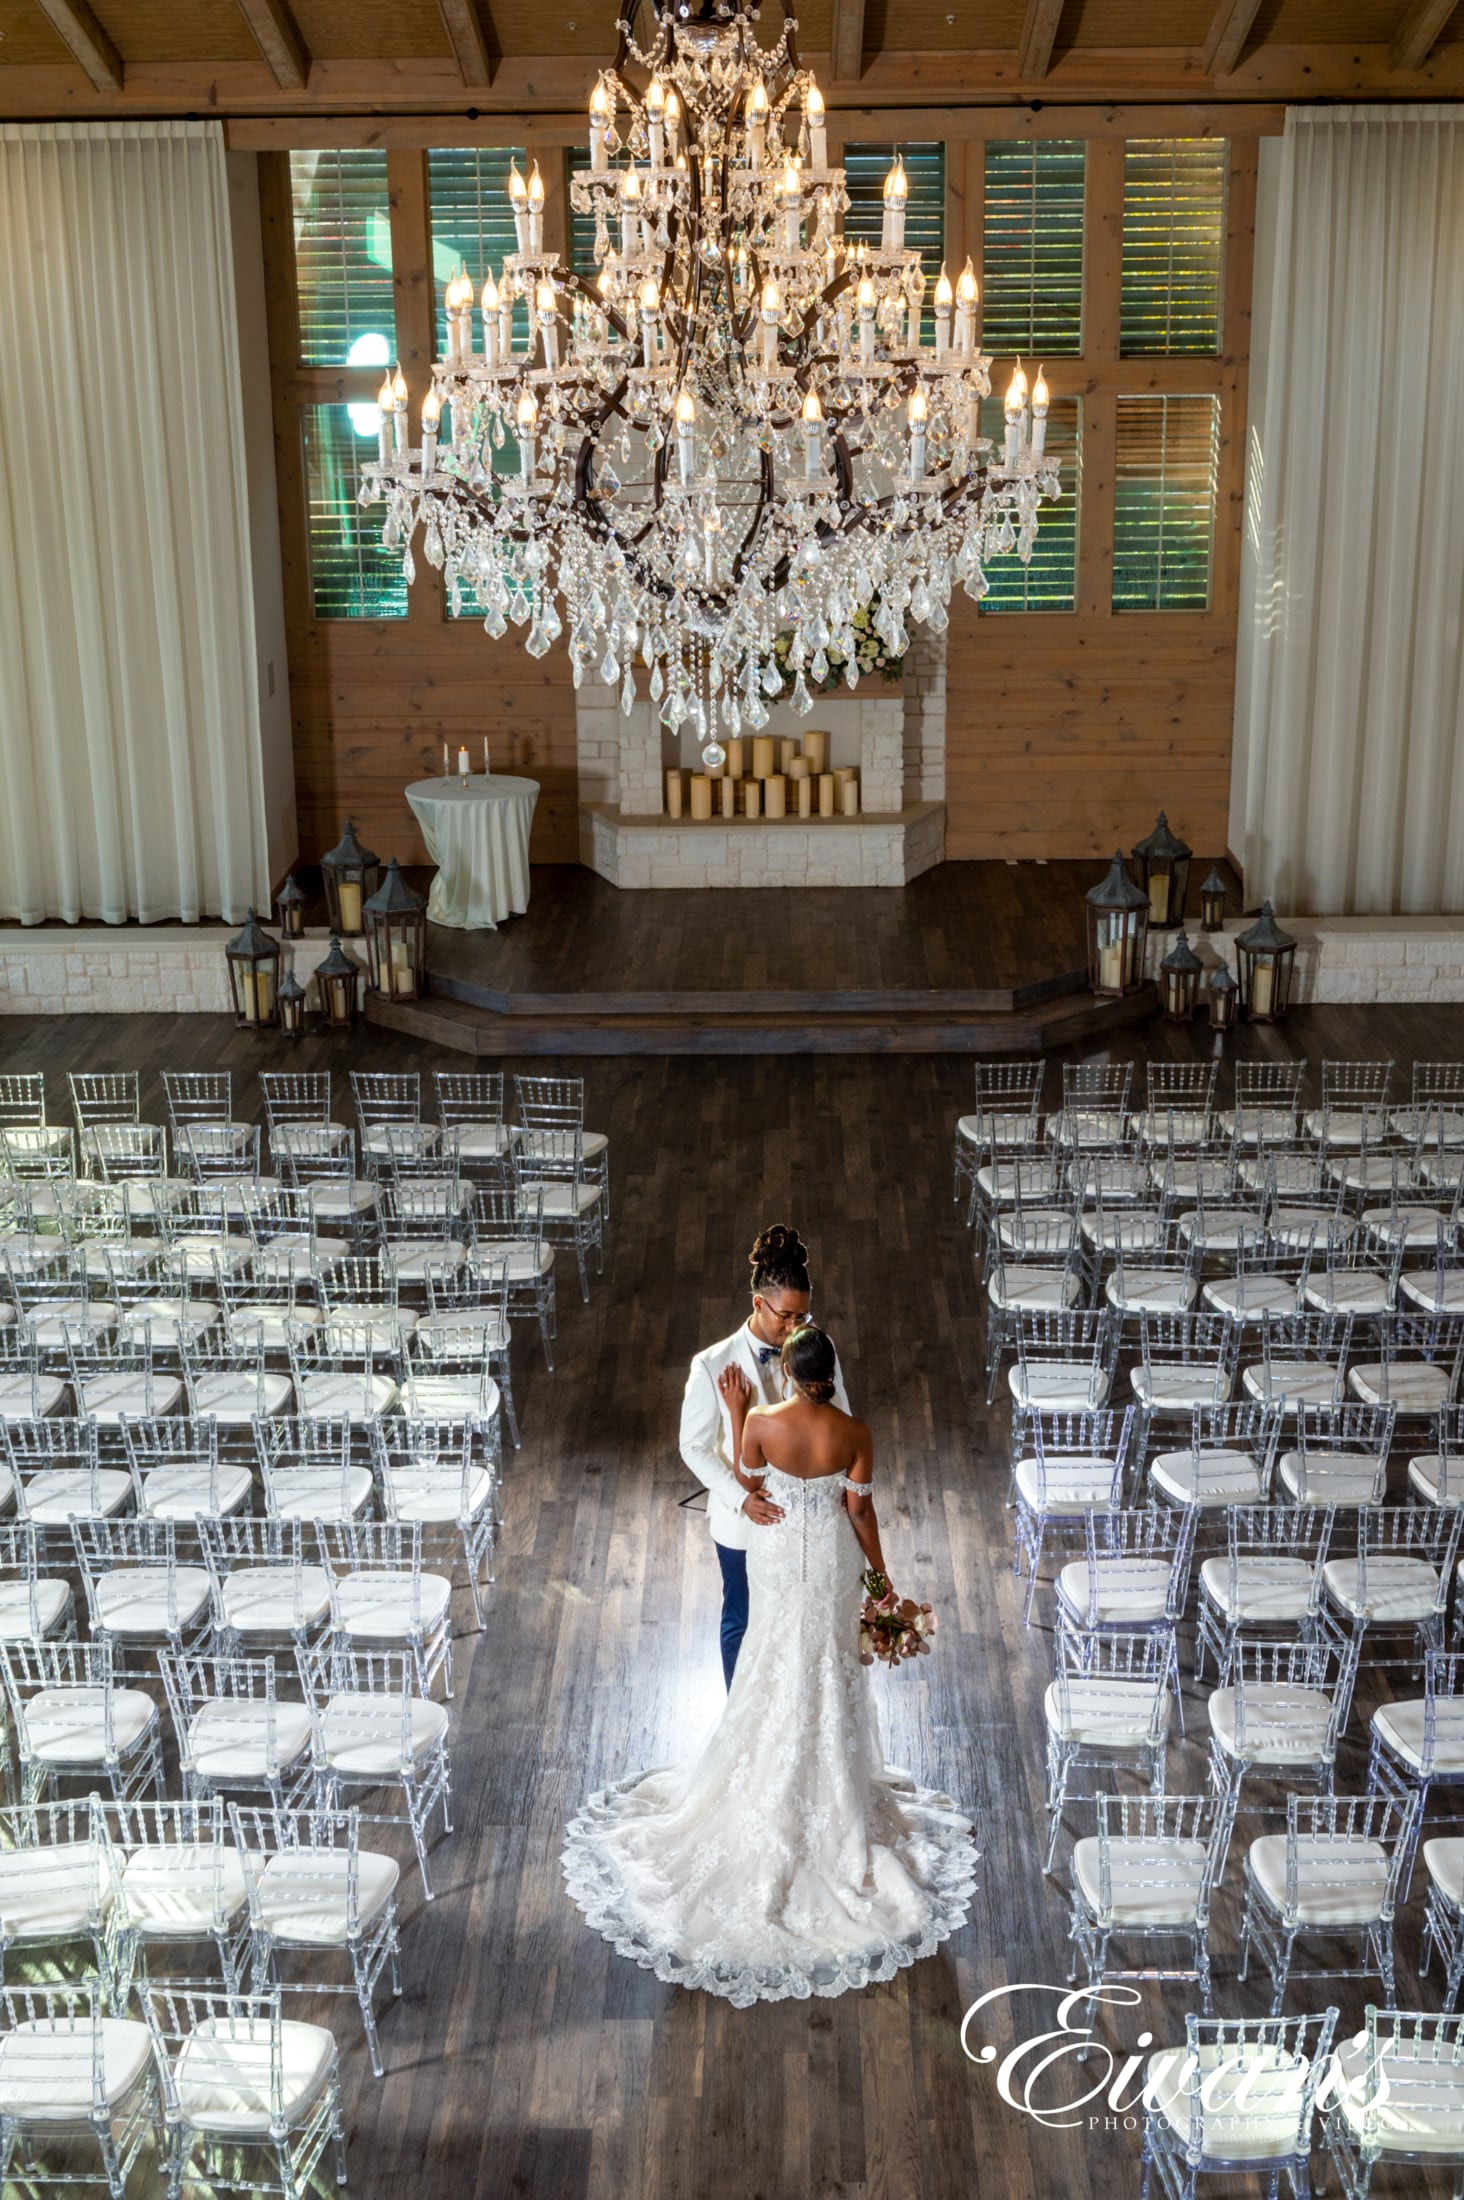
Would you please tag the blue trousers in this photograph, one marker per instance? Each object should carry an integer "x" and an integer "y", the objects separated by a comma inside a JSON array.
[{"x": 734, "y": 1605}]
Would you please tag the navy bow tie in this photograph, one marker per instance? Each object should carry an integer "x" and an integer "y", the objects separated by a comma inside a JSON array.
[{"x": 766, "y": 1352}]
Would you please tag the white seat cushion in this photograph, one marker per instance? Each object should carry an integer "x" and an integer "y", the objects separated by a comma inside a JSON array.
[
  {"x": 1414, "y": 1386},
  {"x": 1344, "y": 1126},
  {"x": 1250, "y": 2095},
  {"x": 52, "y": 1321},
  {"x": 527, "y": 1258},
  {"x": 178, "y": 1892},
  {"x": 24, "y": 1400},
  {"x": 1104, "y": 1713},
  {"x": 363, "y": 1735},
  {"x": 223, "y": 2082},
  {"x": 538, "y": 1143},
  {"x": 1272, "y": 1124},
  {"x": 53, "y": 1602},
  {"x": 1017, "y": 1286},
  {"x": 1187, "y": 1126},
  {"x": 1057, "y": 1385},
  {"x": 1173, "y": 1387},
  {"x": 1095, "y": 1126},
  {"x": 107, "y": 1397},
  {"x": 261, "y": 1326},
  {"x": 310, "y": 1493},
  {"x": 1150, "y": 1291},
  {"x": 564, "y": 1200},
  {"x": 64, "y": 1725},
  {"x": 229, "y": 1741},
  {"x": 385, "y": 1326},
  {"x": 46, "y": 2067},
  {"x": 476, "y": 1328},
  {"x": 196, "y": 1254},
  {"x": 303, "y": 1137},
  {"x": 57, "y": 1494},
  {"x": 165, "y": 1319},
  {"x": 351, "y": 1392},
  {"x": 294, "y": 1259},
  {"x": 1358, "y": 1291},
  {"x": 1129, "y": 1591},
  {"x": 1341, "y": 1879},
  {"x": 480, "y": 1141},
  {"x": 1285, "y": 1723},
  {"x": 1401, "y": 1728},
  {"x": 1436, "y": 1294},
  {"x": 1129, "y": 1230},
  {"x": 1332, "y": 1477},
  {"x": 433, "y": 1494},
  {"x": 134, "y": 1599},
  {"x": 410, "y": 1261},
  {"x": 1411, "y": 2102},
  {"x": 1072, "y": 1485},
  {"x": 406, "y": 1137},
  {"x": 1398, "y": 1589},
  {"x": 1292, "y": 1383},
  {"x": 274, "y": 1600},
  {"x": 1435, "y": 1484},
  {"x": 1153, "y": 1884},
  {"x": 235, "y": 1398},
  {"x": 377, "y": 1606},
  {"x": 1410, "y": 1225},
  {"x": 1246, "y": 1298},
  {"x": 1017, "y": 1230},
  {"x": 184, "y": 1492},
  {"x": 1218, "y": 1477},
  {"x": 1443, "y": 1860},
  {"x": 1267, "y": 1591},
  {"x": 303, "y": 1897},
  {"x": 53, "y": 1892},
  {"x": 337, "y": 1197}
]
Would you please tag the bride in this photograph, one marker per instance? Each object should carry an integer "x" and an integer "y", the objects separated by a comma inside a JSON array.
[{"x": 786, "y": 1859}]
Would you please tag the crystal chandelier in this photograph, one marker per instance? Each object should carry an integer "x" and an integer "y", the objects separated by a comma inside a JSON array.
[{"x": 733, "y": 433}]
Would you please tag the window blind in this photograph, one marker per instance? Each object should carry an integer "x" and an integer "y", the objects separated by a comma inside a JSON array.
[
  {"x": 342, "y": 224},
  {"x": 865, "y": 169},
  {"x": 472, "y": 223},
  {"x": 582, "y": 226},
  {"x": 352, "y": 575},
  {"x": 1173, "y": 244},
  {"x": 1032, "y": 248},
  {"x": 1164, "y": 502},
  {"x": 1050, "y": 582}
]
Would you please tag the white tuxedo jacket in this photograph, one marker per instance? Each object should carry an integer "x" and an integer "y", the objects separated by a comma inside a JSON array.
[{"x": 706, "y": 1427}]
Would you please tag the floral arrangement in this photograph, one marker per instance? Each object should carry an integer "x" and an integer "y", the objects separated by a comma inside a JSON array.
[
  {"x": 891, "y": 1627},
  {"x": 871, "y": 658}
]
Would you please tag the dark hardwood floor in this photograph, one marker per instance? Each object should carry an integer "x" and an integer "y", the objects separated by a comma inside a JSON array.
[{"x": 524, "y": 2057}]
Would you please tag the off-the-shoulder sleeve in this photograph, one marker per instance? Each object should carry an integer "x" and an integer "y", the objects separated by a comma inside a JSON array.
[{"x": 856, "y": 1489}]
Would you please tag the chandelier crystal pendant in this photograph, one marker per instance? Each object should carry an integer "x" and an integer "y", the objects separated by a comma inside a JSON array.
[{"x": 733, "y": 433}]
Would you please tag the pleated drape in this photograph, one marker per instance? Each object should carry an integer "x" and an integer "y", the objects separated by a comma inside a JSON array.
[
  {"x": 129, "y": 718},
  {"x": 1349, "y": 787}
]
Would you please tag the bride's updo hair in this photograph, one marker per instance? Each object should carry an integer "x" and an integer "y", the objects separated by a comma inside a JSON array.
[
  {"x": 808, "y": 1361},
  {"x": 779, "y": 1260}
]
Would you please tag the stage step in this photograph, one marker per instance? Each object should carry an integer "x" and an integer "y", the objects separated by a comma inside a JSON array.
[{"x": 921, "y": 1023}]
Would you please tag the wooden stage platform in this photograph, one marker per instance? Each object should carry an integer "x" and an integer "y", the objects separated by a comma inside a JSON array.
[{"x": 971, "y": 958}]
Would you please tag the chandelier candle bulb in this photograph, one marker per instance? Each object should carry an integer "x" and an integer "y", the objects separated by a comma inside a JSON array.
[
  {"x": 867, "y": 303},
  {"x": 917, "y": 414},
  {"x": 536, "y": 210},
  {"x": 450, "y": 308},
  {"x": 650, "y": 307},
  {"x": 686, "y": 436},
  {"x": 399, "y": 413},
  {"x": 656, "y": 120},
  {"x": 896, "y": 194},
  {"x": 383, "y": 425},
  {"x": 528, "y": 421},
  {"x": 1040, "y": 402},
  {"x": 548, "y": 324},
  {"x": 813, "y": 421},
  {"x": 505, "y": 318},
  {"x": 673, "y": 125},
  {"x": 790, "y": 197},
  {"x": 757, "y": 123},
  {"x": 818, "y": 136},
  {"x": 431, "y": 415},
  {"x": 1015, "y": 407},
  {"x": 762, "y": 756},
  {"x": 518, "y": 199},
  {"x": 630, "y": 200},
  {"x": 490, "y": 321},
  {"x": 967, "y": 291},
  {"x": 775, "y": 794},
  {"x": 826, "y": 789},
  {"x": 599, "y": 125},
  {"x": 772, "y": 313},
  {"x": 944, "y": 300}
]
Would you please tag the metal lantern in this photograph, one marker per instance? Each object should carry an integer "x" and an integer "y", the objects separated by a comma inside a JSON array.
[
  {"x": 396, "y": 938},
  {"x": 1224, "y": 998},
  {"x": 1212, "y": 902},
  {"x": 290, "y": 909},
  {"x": 290, "y": 1001},
  {"x": 1164, "y": 861},
  {"x": 1265, "y": 956},
  {"x": 254, "y": 973},
  {"x": 1118, "y": 928},
  {"x": 1179, "y": 981},
  {"x": 351, "y": 873},
  {"x": 335, "y": 979}
]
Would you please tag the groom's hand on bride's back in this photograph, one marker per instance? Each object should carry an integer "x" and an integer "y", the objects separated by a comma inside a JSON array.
[{"x": 761, "y": 1510}]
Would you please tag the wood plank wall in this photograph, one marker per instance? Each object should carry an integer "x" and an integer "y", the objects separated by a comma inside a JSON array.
[{"x": 1066, "y": 731}]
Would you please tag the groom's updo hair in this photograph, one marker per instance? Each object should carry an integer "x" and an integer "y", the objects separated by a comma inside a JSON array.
[
  {"x": 808, "y": 1361},
  {"x": 779, "y": 1260}
]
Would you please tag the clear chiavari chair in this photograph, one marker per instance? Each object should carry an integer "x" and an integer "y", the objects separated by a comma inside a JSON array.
[
  {"x": 1229, "y": 1460},
  {"x": 178, "y": 1469},
  {"x": 139, "y": 1597},
  {"x": 509, "y": 1230},
  {"x": 1107, "y": 1708},
  {"x": 1042, "y": 1268},
  {"x": 1065, "y": 1467},
  {"x": 33, "y": 1606},
  {"x": 241, "y": 1727},
  {"x": 340, "y": 1366},
  {"x": 23, "y": 1112},
  {"x": 75, "y": 1721},
  {"x": 1397, "y": 1580},
  {"x": 1065, "y": 1359},
  {"x": 1133, "y": 1578},
  {"x": 551, "y": 1166},
  {"x": 1007, "y": 1119},
  {"x": 57, "y": 1477},
  {"x": 1269, "y": 1580},
  {"x": 458, "y": 1370},
  {"x": 205, "y": 1130},
  {"x": 1281, "y": 1707},
  {"x": 1436, "y": 1476},
  {"x": 1179, "y": 1104},
  {"x": 371, "y": 1728},
  {"x": 73, "y": 2073},
  {"x": 1354, "y": 1104},
  {"x": 551, "y": 1109},
  {"x": 1333, "y": 1875},
  {"x": 470, "y": 1106},
  {"x": 236, "y": 2073},
  {"x": 1239, "y": 2098},
  {"x": 103, "y": 1097},
  {"x": 1416, "y": 1743},
  {"x": 1267, "y": 1103},
  {"x": 443, "y": 1474},
  {"x": 116, "y": 1376},
  {"x": 1186, "y": 1361},
  {"x": 269, "y": 1592},
  {"x": 381, "y": 1598},
  {"x": 1418, "y": 1370},
  {"x": 1396, "y": 2099},
  {"x": 311, "y": 1468},
  {"x": 59, "y": 1885},
  {"x": 181, "y": 1884},
  {"x": 1148, "y": 1877},
  {"x": 389, "y": 1115},
  {"x": 1095, "y": 1105},
  {"x": 1303, "y": 1361},
  {"x": 1337, "y": 1455}
]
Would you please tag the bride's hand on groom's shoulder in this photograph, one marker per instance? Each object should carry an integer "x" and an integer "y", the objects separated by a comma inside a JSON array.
[{"x": 734, "y": 1386}]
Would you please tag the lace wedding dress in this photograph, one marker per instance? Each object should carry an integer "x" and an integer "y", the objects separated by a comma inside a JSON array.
[{"x": 786, "y": 1860}]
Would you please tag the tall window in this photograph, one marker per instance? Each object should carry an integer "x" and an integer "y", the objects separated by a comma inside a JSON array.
[
  {"x": 472, "y": 221},
  {"x": 1164, "y": 502},
  {"x": 352, "y": 574},
  {"x": 865, "y": 169},
  {"x": 1050, "y": 582},
  {"x": 1173, "y": 243},
  {"x": 581, "y": 226},
  {"x": 1033, "y": 249},
  {"x": 342, "y": 223}
]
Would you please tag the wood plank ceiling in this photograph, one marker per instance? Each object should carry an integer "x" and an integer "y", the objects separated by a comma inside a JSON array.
[{"x": 287, "y": 57}]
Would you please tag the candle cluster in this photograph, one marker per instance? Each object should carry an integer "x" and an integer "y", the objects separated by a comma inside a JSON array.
[
  {"x": 767, "y": 777},
  {"x": 737, "y": 428}
]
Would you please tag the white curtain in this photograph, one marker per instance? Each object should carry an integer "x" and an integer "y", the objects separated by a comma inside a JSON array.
[
  {"x": 1348, "y": 793},
  {"x": 129, "y": 720}
]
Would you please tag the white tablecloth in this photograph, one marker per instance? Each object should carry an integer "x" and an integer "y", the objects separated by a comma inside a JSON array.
[{"x": 478, "y": 836}]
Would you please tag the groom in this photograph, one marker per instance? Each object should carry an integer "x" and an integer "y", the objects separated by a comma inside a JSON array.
[{"x": 782, "y": 1292}]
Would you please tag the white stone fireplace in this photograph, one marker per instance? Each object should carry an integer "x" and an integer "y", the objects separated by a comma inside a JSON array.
[{"x": 894, "y": 736}]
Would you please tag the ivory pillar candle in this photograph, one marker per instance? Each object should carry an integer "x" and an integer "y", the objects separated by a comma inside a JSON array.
[
  {"x": 816, "y": 749},
  {"x": 776, "y": 790},
  {"x": 805, "y": 795},
  {"x": 843, "y": 773},
  {"x": 851, "y": 797},
  {"x": 752, "y": 791},
  {"x": 762, "y": 756},
  {"x": 826, "y": 785},
  {"x": 787, "y": 750},
  {"x": 734, "y": 756},
  {"x": 727, "y": 788},
  {"x": 798, "y": 767},
  {"x": 701, "y": 795},
  {"x": 673, "y": 794}
]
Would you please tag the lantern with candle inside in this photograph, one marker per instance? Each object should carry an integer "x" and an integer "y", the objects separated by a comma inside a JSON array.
[
  {"x": 1179, "y": 981},
  {"x": 396, "y": 938},
  {"x": 253, "y": 957},
  {"x": 350, "y": 872},
  {"x": 1118, "y": 927},
  {"x": 1224, "y": 995},
  {"x": 290, "y": 909},
  {"x": 1164, "y": 861},
  {"x": 1265, "y": 957},
  {"x": 290, "y": 1007},
  {"x": 335, "y": 984},
  {"x": 1212, "y": 902}
]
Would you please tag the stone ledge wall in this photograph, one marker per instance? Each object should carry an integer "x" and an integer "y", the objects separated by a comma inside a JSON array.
[
  {"x": 114, "y": 970},
  {"x": 867, "y": 851},
  {"x": 1353, "y": 959}
]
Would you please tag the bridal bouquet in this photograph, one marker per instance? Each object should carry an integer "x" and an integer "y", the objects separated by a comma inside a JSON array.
[{"x": 891, "y": 1627}]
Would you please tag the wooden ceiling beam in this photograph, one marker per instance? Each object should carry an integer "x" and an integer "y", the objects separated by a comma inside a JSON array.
[
  {"x": 75, "y": 24},
  {"x": 277, "y": 35},
  {"x": 1229, "y": 30},
  {"x": 848, "y": 41},
  {"x": 1418, "y": 32},
  {"x": 1039, "y": 35},
  {"x": 469, "y": 46}
]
